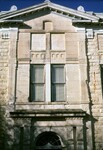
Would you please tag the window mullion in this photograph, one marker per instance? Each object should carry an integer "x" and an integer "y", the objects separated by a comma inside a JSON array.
[{"x": 48, "y": 82}]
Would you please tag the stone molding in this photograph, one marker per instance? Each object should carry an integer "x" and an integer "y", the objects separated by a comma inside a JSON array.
[{"x": 49, "y": 113}]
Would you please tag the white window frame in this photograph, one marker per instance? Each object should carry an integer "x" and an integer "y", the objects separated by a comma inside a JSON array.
[
  {"x": 35, "y": 83},
  {"x": 57, "y": 83},
  {"x": 48, "y": 83}
]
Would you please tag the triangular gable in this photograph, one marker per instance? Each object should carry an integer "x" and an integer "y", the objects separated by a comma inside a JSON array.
[{"x": 74, "y": 15}]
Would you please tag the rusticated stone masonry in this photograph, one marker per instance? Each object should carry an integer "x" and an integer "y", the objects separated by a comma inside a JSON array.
[
  {"x": 4, "y": 67},
  {"x": 4, "y": 71},
  {"x": 95, "y": 89}
]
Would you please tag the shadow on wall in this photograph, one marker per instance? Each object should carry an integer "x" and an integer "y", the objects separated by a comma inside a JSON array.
[
  {"x": 90, "y": 117},
  {"x": 24, "y": 136},
  {"x": 2, "y": 128}
]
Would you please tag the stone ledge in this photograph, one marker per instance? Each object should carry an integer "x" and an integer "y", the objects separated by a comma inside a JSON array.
[{"x": 48, "y": 113}]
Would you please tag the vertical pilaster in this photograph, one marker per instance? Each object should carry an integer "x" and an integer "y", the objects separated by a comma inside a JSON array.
[{"x": 48, "y": 82}]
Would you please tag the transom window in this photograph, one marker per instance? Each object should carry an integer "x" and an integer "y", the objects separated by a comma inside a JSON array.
[
  {"x": 48, "y": 140},
  {"x": 44, "y": 79}
]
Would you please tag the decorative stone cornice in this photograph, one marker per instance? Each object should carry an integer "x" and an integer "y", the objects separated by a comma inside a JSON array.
[
  {"x": 47, "y": 1},
  {"x": 48, "y": 113},
  {"x": 13, "y": 8},
  {"x": 71, "y": 13}
]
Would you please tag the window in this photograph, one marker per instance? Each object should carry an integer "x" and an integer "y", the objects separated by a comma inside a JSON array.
[
  {"x": 54, "y": 82},
  {"x": 37, "y": 82},
  {"x": 57, "y": 82}
]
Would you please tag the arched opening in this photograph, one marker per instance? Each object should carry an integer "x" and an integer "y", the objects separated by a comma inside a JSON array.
[{"x": 48, "y": 141}]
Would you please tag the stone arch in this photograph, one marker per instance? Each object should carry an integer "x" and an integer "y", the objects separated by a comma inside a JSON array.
[{"x": 48, "y": 140}]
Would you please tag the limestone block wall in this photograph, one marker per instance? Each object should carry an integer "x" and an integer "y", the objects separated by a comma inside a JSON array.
[
  {"x": 73, "y": 57},
  {"x": 4, "y": 82},
  {"x": 22, "y": 90},
  {"x": 70, "y": 131},
  {"x": 52, "y": 39},
  {"x": 8, "y": 40},
  {"x": 95, "y": 95},
  {"x": 4, "y": 65},
  {"x": 73, "y": 84},
  {"x": 36, "y": 22}
]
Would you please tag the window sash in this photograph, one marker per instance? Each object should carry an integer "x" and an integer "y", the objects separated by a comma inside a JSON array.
[
  {"x": 57, "y": 83},
  {"x": 58, "y": 74},
  {"x": 58, "y": 92},
  {"x": 37, "y": 82},
  {"x": 37, "y": 74},
  {"x": 37, "y": 92}
]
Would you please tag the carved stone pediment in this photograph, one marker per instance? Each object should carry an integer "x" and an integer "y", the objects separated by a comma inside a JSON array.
[{"x": 48, "y": 7}]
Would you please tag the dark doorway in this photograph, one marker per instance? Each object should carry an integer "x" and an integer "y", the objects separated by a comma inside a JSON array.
[{"x": 48, "y": 141}]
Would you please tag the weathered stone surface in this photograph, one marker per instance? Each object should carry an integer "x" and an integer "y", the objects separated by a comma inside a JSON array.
[{"x": 48, "y": 36}]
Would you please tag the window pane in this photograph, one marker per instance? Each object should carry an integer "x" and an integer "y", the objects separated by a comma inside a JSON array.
[
  {"x": 37, "y": 73},
  {"x": 58, "y": 92},
  {"x": 37, "y": 92},
  {"x": 58, "y": 83},
  {"x": 57, "y": 74},
  {"x": 37, "y": 83}
]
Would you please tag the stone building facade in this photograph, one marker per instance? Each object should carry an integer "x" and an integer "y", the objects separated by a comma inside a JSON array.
[{"x": 51, "y": 79}]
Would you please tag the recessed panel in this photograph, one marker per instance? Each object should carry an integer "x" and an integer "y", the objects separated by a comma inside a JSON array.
[
  {"x": 38, "y": 42},
  {"x": 58, "y": 41}
]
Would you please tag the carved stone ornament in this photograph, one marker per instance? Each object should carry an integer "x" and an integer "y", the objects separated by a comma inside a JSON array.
[
  {"x": 81, "y": 8},
  {"x": 13, "y": 8},
  {"x": 5, "y": 35},
  {"x": 90, "y": 34},
  {"x": 47, "y": 1}
]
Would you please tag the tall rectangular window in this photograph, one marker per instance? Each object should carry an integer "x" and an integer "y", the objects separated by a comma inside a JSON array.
[
  {"x": 37, "y": 82},
  {"x": 57, "y": 83},
  {"x": 39, "y": 89}
]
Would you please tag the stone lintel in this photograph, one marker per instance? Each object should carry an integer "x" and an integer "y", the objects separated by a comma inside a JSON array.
[{"x": 48, "y": 113}]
